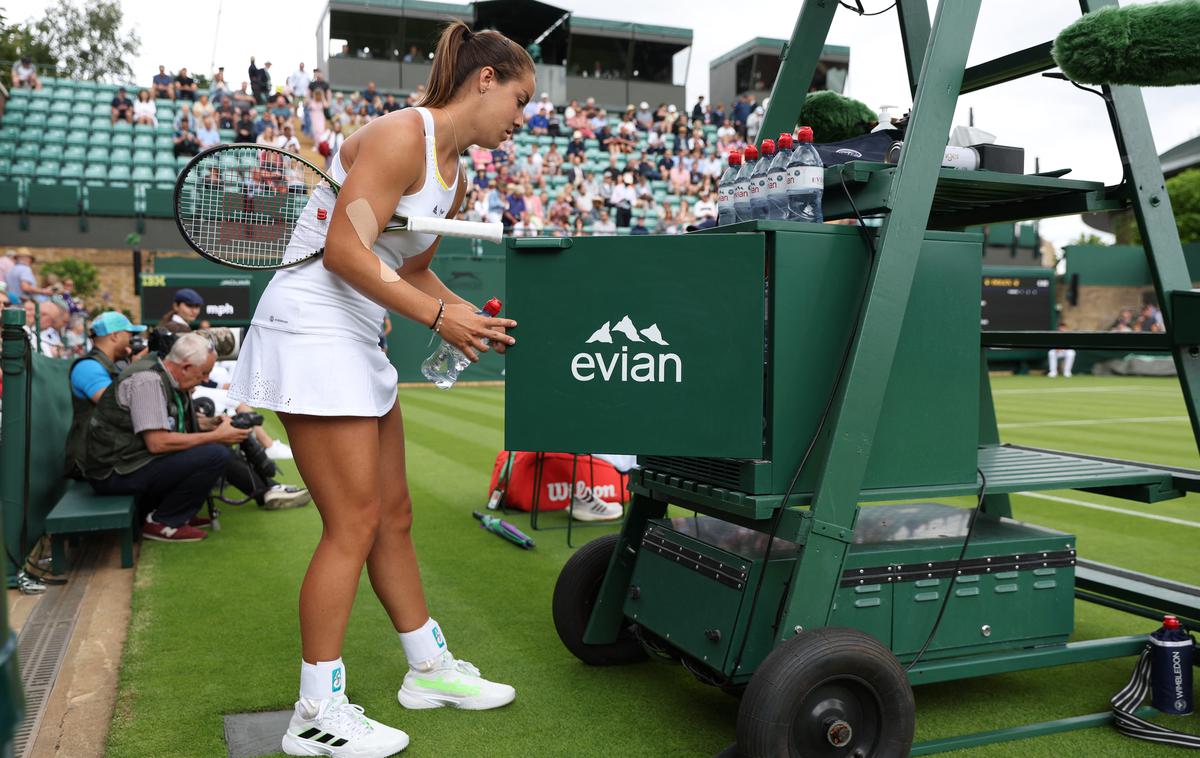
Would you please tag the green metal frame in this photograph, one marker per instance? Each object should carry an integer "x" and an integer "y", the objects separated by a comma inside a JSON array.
[
  {"x": 913, "y": 195},
  {"x": 12, "y": 699}
]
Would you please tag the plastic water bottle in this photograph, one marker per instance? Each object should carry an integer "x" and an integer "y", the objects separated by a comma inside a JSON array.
[
  {"x": 777, "y": 200},
  {"x": 1171, "y": 651},
  {"x": 741, "y": 185},
  {"x": 447, "y": 362},
  {"x": 758, "y": 180},
  {"x": 806, "y": 180},
  {"x": 725, "y": 188}
]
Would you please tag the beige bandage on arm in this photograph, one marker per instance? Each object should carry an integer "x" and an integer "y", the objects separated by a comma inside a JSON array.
[{"x": 362, "y": 219}]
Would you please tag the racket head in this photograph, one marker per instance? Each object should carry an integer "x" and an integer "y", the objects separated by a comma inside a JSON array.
[{"x": 239, "y": 204}]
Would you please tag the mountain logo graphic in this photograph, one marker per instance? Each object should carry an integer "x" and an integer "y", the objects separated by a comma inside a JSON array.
[{"x": 624, "y": 366}]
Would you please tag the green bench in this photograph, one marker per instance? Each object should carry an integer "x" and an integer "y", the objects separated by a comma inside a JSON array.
[{"x": 81, "y": 510}]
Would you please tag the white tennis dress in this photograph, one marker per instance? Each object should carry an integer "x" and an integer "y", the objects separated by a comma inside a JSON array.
[{"x": 313, "y": 344}]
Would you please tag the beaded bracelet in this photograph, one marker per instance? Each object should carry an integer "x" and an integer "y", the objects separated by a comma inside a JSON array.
[{"x": 437, "y": 322}]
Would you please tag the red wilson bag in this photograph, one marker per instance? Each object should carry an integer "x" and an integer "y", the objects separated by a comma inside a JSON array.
[{"x": 517, "y": 478}]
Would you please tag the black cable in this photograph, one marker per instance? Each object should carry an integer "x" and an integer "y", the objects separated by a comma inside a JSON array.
[
  {"x": 862, "y": 11},
  {"x": 957, "y": 564},
  {"x": 778, "y": 517}
]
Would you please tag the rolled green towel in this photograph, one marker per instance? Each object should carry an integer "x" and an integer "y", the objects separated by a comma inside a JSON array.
[
  {"x": 834, "y": 117},
  {"x": 1144, "y": 45}
]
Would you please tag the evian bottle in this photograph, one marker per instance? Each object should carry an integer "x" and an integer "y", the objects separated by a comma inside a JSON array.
[{"x": 447, "y": 362}]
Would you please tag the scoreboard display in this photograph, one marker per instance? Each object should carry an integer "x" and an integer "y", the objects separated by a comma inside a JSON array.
[{"x": 1016, "y": 302}]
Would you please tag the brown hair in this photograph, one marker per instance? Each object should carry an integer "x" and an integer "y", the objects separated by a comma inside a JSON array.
[{"x": 461, "y": 52}]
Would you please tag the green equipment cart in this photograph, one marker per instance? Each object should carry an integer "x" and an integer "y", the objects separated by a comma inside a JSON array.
[{"x": 773, "y": 377}]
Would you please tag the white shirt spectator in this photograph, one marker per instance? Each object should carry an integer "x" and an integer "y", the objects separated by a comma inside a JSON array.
[
  {"x": 145, "y": 108},
  {"x": 624, "y": 195},
  {"x": 705, "y": 208},
  {"x": 290, "y": 144},
  {"x": 535, "y": 162},
  {"x": 724, "y": 131},
  {"x": 298, "y": 82},
  {"x": 52, "y": 344},
  {"x": 604, "y": 227}
]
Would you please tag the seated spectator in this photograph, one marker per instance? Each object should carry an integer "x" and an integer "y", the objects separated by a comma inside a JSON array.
[
  {"x": 288, "y": 140},
  {"x": 679, "y": 180},
  {"x": 390, "y": 105},
  {"x": 413, "y": 55},
  {"x": 185, "y": 141},
  {"x": 122, "y": 107},
  {"x": 144, "y": 439},
  {"x": 144, "y": 110},
  {"x": 553, "y": 161},
  {"x": 20, "y": 282},
  {"x": 164, "y": 84},
  {"x": 93, "y": 374},
  {"x": 244, "y": 129},
  {"x": 705, "y": 210},
  {"x": 1063, "y": 356},
  {"x": 218, "y": 88},
  {"x": 497, "y": 204},
  {"x": 208, "y": 135},
  {"x": 516, "y": 204},
  {"x": 184, "y": 112},
  {"x": 243, "y": 99},
  {"x": 185, "y": 86},
  {"x": 539, "y": 124},
  {"x": 369, "y": 93},
  {"x": 604, "y": 225},
  {"x": 268, "y": 137},
  {"x": 75, "y": 338},
  {"x": 1123, "y": 323},
  {"x": 24, "y": 74},
  {"x": 535, "y": 204},
  {"x": 68, "y": 296},
  {"x": 575, "y": 172},
  {"x": 53, "y": 320},
  {"x": 476, "y": 206},
  {"x": 1149, "y": 320},
  {"x": 717, "y": 116},
  {"x": 523, "y": 228},
  {"x": 281, "y": 109},
  {"x": 560, "y": 211},
  {"x": 202, "y": 108},
  {"x": 226, "y": 115}
]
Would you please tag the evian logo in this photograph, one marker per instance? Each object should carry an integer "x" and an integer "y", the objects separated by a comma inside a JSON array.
[{"x": 622, "y": 365}]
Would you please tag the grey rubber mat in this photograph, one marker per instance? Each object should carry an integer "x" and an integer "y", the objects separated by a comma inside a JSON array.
[{"x": 248, "y": 735}]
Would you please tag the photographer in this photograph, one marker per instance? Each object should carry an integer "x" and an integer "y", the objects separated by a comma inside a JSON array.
[
  {"x": 92, "y": 375},
  {"x": 144, "y": 440},
  {"x": 251, "y": 469}
]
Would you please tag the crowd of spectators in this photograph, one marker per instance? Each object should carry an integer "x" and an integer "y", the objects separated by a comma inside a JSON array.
[
  {"x": 54, "y": 315},
  {"x": 1148, "y": 319}
]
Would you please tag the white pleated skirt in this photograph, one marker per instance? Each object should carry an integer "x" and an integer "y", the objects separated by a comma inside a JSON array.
[{"x": 313, "y": 375}]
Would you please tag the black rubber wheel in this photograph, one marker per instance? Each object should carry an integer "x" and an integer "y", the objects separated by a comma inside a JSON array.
[
  {"x": 575, "y": 595},
  {"x": 827, "y": 693}
]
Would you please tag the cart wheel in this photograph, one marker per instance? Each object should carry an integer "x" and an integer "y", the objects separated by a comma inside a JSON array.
[
  {"x": 575, "y": 595},
  {"x": 827, "y": 692}
]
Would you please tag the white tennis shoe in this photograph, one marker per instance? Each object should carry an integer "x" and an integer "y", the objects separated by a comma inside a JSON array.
[
  {"x": 586, "y": 506},
  {"x": 447, "y": 681},
  {"x": 336, "y": 728}
]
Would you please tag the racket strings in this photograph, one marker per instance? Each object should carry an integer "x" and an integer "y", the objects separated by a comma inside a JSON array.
[{"x": 241, "y": 204}]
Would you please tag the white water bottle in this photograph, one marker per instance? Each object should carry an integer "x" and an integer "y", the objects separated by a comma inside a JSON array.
[
  {"x": 725, "y": 188},
  {"x": 741, "y": 186},
  {"x": 806, "y": 180},
  {"x": 777, "y": 200},
  {"x": 447, "y": 362}
]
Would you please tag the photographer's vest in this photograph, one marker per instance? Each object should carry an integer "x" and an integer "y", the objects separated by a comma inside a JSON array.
[
  {"x": 84, "y": 407},
  {"x": 112, "y": 445}
]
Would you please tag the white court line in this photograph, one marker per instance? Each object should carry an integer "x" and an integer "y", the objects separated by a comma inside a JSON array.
[
  {"x": 1110, "y": 509},
  {"x": 1092, "y": 422},
  {"x": 1048, "y": 390}
]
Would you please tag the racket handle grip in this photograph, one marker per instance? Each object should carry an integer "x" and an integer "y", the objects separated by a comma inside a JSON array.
[{"x": 458, "y": 228}]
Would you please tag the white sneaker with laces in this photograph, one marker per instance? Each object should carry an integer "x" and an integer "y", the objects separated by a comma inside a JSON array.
[
  {"x": 335, "y": 727},
  {"x": 279, "y": 451},
  {"x": 285, "y": 496},
  {"x": 448, "y": 681},
  {"x": 585, "y": 506}
]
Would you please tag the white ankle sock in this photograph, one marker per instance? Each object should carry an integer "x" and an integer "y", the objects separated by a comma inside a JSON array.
[
  {"x": 322, "y": 680},
  {"x": 424, "y": 644}
]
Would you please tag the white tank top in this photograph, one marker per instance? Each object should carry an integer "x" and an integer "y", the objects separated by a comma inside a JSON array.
[{"x": 308, "y": 299}]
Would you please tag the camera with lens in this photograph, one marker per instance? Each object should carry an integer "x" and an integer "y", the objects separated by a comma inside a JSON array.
[
  {"x": 251, "y": 447},
  {"x": 136, "y": 345},
  {"x": 160, "y": 341}
]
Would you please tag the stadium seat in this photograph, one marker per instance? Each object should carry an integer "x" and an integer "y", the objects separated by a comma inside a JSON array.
[
  {"x": 181, "y": 161},
  {"x": 14, "y": 118},
  {"x": 27, "y": 151},
  {"x": 164, "y": 174},
  {"x": 74, "y": 153},
  {"x": 96, "y": 173},
  {"x": 159, "y": 203},
  {"x": 143, "y": 158},
  {"x": 142, "y": 175},
  {"x": 109, "y": 201},
  {"x": 18, "y": 102},
  {"x": 39, "y": 106},
  {"x": 54, "y": 137},
  {"x": 103, "y": 95},
  {"x": 51, "y": 153},
  {"x": 165, "y": 157},
  {"x": 23, "y": 168},
  {"x": 101, "y": 124},
  {"x": 6, "y": 152},
  {"x": 163, "y": 142},
  {"x": 81, "y": 108},
  {"x": 35, "y": 120},
  {"x": 98, "y": 155},
  {"x": 71, "y": 173},
  {"x": 102, "y": 109},
  {"x": 58, "y": 121},
  {"x": 142, "y": 141},
  {"x": 122, "y": 140},
  {"x": 164, "y": 128},
  {"x": 123, "y": 127},
  {"x": 120, "y": 156},
  {"x": 227, "y": 135},
  {"x": 10, "y": 195},
  {"x": 84, "y": 86},
  {"x": 53, "y": 199},
  {"x": 82, "y": 123},
  {"x": 119, "y": 173},
  {"x": 10, "y": 134},
  {"x": 78, "y": 137}
]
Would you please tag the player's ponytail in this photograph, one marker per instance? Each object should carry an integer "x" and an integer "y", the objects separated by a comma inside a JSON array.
[{"x": 461, "y": 52}]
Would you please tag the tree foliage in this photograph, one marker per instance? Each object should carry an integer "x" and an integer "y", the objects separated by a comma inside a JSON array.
[
  {"x": 78, "y": 40},
  {"x": 1184, "y": 191},
  {"x": 84, "y": 273}
]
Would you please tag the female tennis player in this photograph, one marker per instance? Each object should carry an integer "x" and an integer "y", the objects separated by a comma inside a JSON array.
[{"x": 312, "y": 355}]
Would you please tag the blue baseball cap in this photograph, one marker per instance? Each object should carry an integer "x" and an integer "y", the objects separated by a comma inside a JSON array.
[
  {"x": 111, "y": 321},
  {"x": 189, "y": 296}
]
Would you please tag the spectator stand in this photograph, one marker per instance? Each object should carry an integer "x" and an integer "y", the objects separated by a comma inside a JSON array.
[{"x": 37, "y": 498}]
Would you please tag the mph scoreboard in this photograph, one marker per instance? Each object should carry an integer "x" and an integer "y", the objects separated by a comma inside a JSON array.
[{"x": 1017, "y": 299}]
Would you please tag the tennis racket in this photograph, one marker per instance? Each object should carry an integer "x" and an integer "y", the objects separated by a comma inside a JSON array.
[{"x": 241, "y": 205}]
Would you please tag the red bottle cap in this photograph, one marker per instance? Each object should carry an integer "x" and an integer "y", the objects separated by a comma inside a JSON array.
[
  {"x": 805, "y": 134},
  {"x": 491, "y": 307},
  {"x": 321, "y": 214},
  {"x": 735, "y": 158},
  {"x": 1171, "y": 622},
  {"x": 784, "y": 142},
  {"x": 768, "y": 147},
  {"x": 751, "y": 153}
]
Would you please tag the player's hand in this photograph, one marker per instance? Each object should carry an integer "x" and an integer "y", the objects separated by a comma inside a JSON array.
[{"x": 465, "y": 330}]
